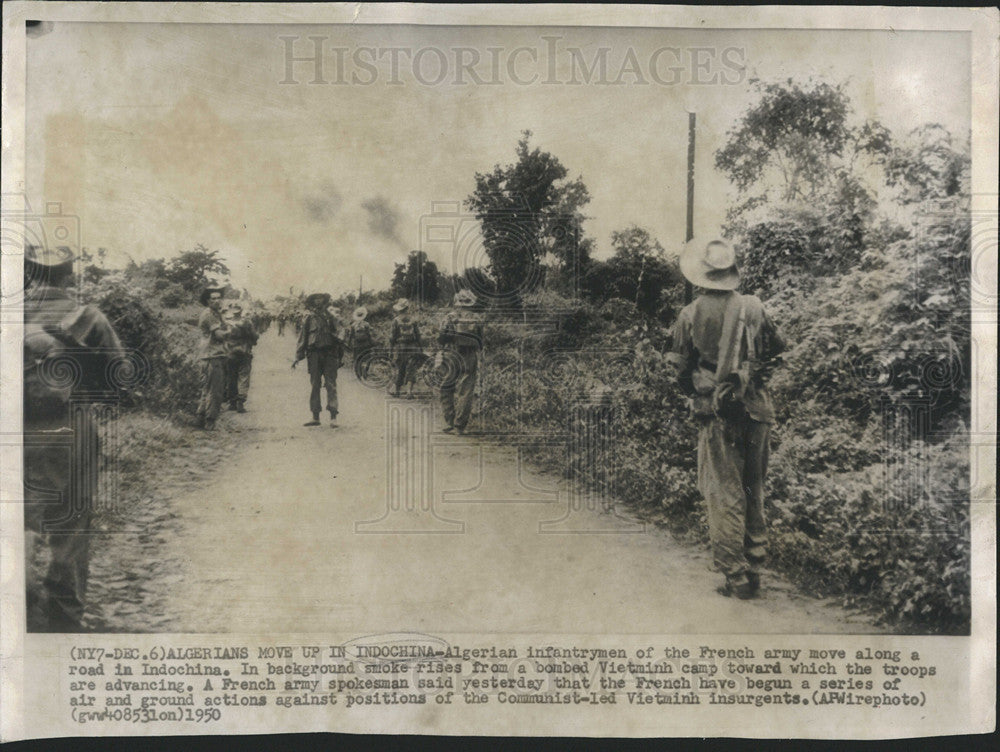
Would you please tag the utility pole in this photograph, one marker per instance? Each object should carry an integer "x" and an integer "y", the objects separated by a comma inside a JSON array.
[{"x": 688, "y": 291}]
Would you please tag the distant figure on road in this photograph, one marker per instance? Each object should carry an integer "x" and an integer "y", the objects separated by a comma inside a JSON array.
[
  {"x": 321, "y": 347},
  {"x": 61, "y": 457},
  {"x": 241, "y": 340},
  {"x": 281, "y": 325},
  {"x": 214, "y": 353},
  {"x": 724, "y": 345},
  {"x": 361, "y": 341},
  {"x": 462, "y": 339},
  {"x": 404, "y": 343}
]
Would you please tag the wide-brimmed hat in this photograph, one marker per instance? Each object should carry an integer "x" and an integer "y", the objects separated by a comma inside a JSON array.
[
  {"x": 318, "y": 299},
  {"x": 49, "y": 257},
  {"x": 235, "y": 306},
  {"x": 710, "y": 263},
  {"x": 203, "y": 297},
  {"x": 360, "y": 313},
  {"x": 401, "y": 305},
  {"x": 464, "y": 299}
]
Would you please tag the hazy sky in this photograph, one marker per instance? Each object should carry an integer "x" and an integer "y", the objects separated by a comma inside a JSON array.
[{"x": 161, "y": 136}]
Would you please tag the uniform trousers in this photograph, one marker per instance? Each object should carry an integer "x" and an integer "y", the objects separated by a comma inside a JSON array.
[{"x": 732, "y": 463}]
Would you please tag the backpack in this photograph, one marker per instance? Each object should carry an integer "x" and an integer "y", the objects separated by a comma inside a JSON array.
[
  {"x": 52, "y": 368},
  {"x": 406, "y": 331},
  {"x": 363, "y": 334}
]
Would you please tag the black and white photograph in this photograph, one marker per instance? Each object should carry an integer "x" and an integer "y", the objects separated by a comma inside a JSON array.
[{"x": 395, "y": 330}]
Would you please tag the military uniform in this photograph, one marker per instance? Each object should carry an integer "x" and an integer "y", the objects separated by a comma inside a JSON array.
[
  {"x": 241, "y": 340},
  {"x": 60, "y": 456},
  {"x": 214, "y": 354},
  {"x": 361, "y": 340},
  {"x": 733, "y": 451},
  {"x": 320, "y": 346},
  {"x": 406, "y": 344},
  {"x": 462, "y": 339}
]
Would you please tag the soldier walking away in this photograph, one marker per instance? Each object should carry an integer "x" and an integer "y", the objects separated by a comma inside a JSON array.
[
  {"x": 462, "y": 339},
  {"x": 725, "y": 346},
  {"x": 214, "y": 354},
  {"x": 361, "y": 341},
  {"x": 241, "y": 340},
  {"x": 322, "y": 349},
  {"x": 404, "y": 343},
  {"x": 60, "y": 438}
]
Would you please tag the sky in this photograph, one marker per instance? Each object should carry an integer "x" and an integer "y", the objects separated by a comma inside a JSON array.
[{"x": 159, "y": 137}]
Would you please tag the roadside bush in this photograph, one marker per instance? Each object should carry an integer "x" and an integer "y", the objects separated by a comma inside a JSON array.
[
  {"x": 168, "y": 346},
  {"x": 858, "y": 509}
]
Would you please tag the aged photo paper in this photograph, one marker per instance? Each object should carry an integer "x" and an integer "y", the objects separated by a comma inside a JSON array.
[{"x": 498, "y": 370}]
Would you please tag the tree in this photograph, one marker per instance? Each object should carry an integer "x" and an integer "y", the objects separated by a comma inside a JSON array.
[
  {"x": 798, "y": 140},
  {"x": 527, "y": 213},
  {"x": 928, "y": 165},
  {"x": 417, "y": 279},
  {"x": 194, "y": 269},
  {"x": 638, "y": 272}
]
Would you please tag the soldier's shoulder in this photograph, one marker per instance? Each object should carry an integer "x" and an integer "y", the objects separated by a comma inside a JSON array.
[
  {"x": 753, "y": 305},
  {"x": 687, "y": 312}
]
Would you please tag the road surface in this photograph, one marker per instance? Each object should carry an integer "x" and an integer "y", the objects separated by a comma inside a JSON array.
[{"x": 297, "y": 530}]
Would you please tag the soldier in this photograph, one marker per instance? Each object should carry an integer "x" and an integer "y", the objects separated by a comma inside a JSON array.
[
  {"x": 240, "y": 340},
  {"x": 462, "y": 339},
  {"x": 725, "y": 345},
  {"x": 60, "y": 438},
  {"x": 320, "y": 345},
  {"x": 214, "y": 354},
  {"x": 361, "y": 341},
  {"x": 404, "y": 343}
]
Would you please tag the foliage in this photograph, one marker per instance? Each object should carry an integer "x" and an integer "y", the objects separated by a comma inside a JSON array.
[
  {"x": 928, "y": 165},
  {"x": 868, "y": 488},
  {"x": 638, "y": 272},
  {"x": 417, "y": 279},
  {"x": 193, "y": 270},
  {"x": 526, "y": 213},
  {"x": 798, "y": 139},
  {"x": 168, "y": 346}
]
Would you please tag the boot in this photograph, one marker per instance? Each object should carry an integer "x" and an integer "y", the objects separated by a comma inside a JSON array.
[
  {"x": 333, "y": 419},
  {"x": 738, "y": 586},
  {"x": 314, "y": 421},
  {"x": 239, "y": 406}
]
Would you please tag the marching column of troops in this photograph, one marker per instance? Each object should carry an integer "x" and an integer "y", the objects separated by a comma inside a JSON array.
[{"x": 724, "y": 347}]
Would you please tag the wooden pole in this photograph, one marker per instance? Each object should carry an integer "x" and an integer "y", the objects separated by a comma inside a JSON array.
[{"x": 689, "y": 234}]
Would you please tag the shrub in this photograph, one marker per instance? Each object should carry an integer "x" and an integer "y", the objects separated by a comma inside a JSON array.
[{"x": 168, "y": 346}]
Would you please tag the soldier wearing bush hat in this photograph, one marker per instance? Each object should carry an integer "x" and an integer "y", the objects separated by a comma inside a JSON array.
[
  {"x": 361, "y": 340},
  {"x": 241, "y": 339},
  {"x": 61, "y": 448},
  {"x": 214, "y": 353},
  {"x": 404, "y": 341},
  {"x": 321, "y": 347},
  {"x": 724, "y": 344},
  {"x": 462, "y": 339}
]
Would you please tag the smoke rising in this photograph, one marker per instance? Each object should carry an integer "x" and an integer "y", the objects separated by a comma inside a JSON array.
[
  {"x": 383, "y": 220},
  {"x": 323, "y": 205}
]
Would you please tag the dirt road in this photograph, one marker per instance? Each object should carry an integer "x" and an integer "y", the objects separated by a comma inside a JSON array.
[{"x": 298, "y": 530}]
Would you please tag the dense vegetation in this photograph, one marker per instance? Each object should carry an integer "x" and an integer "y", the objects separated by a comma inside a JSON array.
[
  {"x": 154, "y": 308},
  {"x": 858, "y": 242}
]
